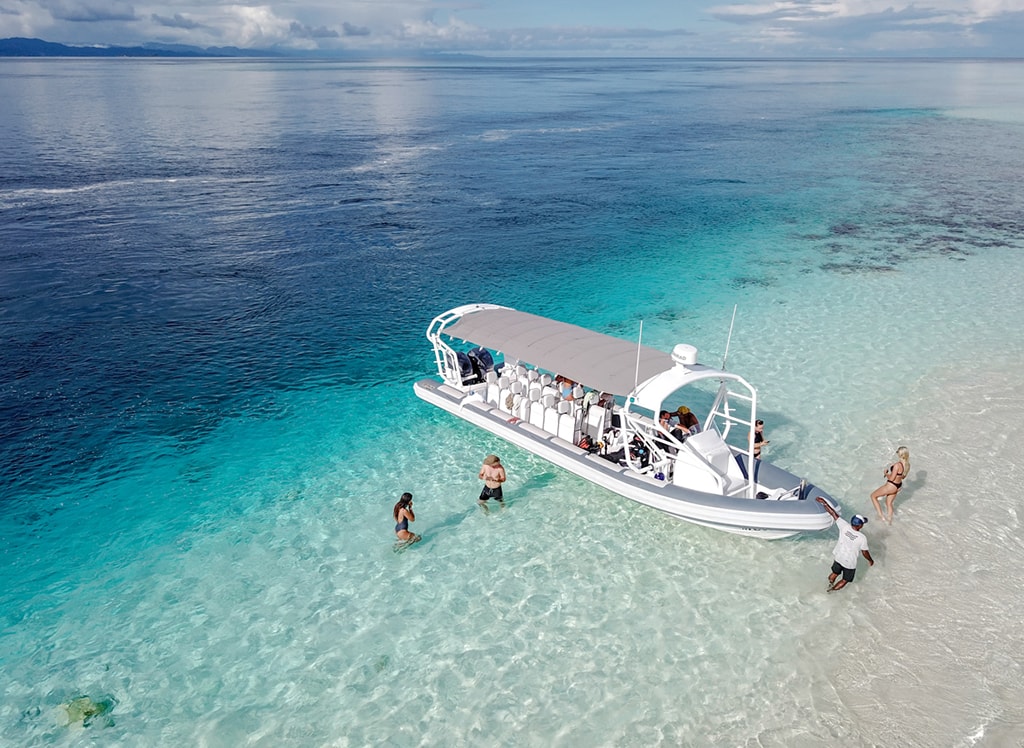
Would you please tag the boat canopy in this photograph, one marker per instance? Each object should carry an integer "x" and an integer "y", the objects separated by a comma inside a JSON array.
[
  {"x": 603, "y": 362},
  {"x": 600, "y": 361}
]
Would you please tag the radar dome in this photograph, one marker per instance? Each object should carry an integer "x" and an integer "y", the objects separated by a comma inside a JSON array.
[{"x": 684, "y": 354}]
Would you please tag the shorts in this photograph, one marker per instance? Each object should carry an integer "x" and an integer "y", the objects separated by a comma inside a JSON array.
[
  {"x": 491, "y": 493},
  {"x": 847, "y": 573}
]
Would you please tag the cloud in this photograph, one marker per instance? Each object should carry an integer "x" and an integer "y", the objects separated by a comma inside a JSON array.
[
  {"x": 349, "y": 30},
  {"x": 302, "y": 31},
  {"x": 76, "y": 12},
  {"x": 868, "y": 26},
  {"x": 457, "y": 35},
  {"x": 734, "y": 27},
  {"x": 910, "y": 19},
  {"x": 793, "y": 11},
  {"x": 583, "y": 38},
  {"x": 178, "y": 22},
  {"x": 1002, "y": 33}
]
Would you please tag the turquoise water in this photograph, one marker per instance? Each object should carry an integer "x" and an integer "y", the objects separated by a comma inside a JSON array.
[{"x": 217, "y": 276}]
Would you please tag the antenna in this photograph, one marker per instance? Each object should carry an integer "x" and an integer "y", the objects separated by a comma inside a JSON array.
[
  {"x": 729, "y": 339},
  {"x": 636, "y": 376}
]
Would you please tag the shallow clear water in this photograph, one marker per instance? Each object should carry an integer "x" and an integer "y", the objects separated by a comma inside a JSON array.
[{"x": 215, "y": 281}]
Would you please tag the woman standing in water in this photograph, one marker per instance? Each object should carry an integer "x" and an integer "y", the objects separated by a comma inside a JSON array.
[
  {"x": 895, "y": 474},
  {"x": 403, "y": 516}
]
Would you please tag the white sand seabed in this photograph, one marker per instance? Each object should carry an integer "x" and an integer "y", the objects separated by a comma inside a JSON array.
[{"x": 926, "y": 648}]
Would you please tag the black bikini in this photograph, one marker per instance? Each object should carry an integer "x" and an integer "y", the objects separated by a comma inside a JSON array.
[{"x": 900, "y": 484}]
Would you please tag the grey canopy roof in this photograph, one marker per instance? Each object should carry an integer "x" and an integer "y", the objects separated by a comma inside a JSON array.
[{"x": 591, "y": 358}]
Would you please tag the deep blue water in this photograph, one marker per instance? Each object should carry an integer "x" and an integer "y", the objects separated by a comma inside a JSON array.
[
  {"x": 185, "y": 240},
  {"x": 186, "y": 246}
]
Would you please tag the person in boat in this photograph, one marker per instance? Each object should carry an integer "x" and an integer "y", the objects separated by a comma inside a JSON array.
[
  {"x": 492, "y": 473},
  {"x": 895, "y": 474},
  {"x": 851, "y": 543},
  {"x": 403, "y": 516},
  {"x": 565, "y": 387},
  {"x": 759, "y": 440},
  {"x": 688, "y": 423},
  {"x": 665, "y": 422}
]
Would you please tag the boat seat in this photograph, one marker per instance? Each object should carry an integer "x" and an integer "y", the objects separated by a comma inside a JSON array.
[
  {"x": 532, "y": 374},
  {"x": 566, "y": 425},
  {"x": 714, "y": 451},
  {"x": 537, "y": 414},
  {"x": 509, "y": 389},
  {"x": 545, "y": 380},
  {"x": 532, "y": 409},
  {"x": 521, "y": 408},
  {"x": 493, "y": 392},
  {"x": 503, "y": 395},
  {"x": 518, "y": 399},
  {"x": 551, "y": 420},
  {"x": 594, "y": 422}
]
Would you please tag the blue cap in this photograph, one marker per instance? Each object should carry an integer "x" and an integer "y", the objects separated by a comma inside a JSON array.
[{"x": 857, "y": 520}]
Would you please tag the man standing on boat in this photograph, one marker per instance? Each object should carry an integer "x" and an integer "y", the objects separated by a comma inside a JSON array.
[
  {"x": 493, "y": 475},
  {"x": 851, "y": 541}
]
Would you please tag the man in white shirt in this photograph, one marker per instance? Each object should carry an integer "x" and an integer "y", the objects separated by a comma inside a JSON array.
[{"x": 851, "y": 541}]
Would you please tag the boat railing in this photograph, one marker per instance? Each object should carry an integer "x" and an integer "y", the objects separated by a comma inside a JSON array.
[
  {"x": 445, "y": 356},
  {"x": 722, "y": 410},
  {"x": 723, "y": 415},
  {"x": 655, "y": 440}
]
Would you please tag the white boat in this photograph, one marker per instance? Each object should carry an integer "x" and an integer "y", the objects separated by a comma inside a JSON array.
[{"x": 504, "y": 370}]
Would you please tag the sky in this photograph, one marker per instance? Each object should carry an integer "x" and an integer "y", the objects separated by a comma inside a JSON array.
[{"x": 625, "y": 28}]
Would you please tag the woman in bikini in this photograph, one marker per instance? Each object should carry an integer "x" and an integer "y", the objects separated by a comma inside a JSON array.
[
  {"x": 895, "y": 474},
  {"x": 403, "y": 516}
]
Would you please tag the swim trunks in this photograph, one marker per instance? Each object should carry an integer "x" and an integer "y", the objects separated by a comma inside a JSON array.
[
  {"x": 491, "y": 493},
  {"x": 848, "y": 574}
]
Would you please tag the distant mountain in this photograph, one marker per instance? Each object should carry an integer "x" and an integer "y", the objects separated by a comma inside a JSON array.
[{"x": 19, "y": 47}]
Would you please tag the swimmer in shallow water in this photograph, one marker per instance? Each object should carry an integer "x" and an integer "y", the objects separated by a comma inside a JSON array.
[
  {"x": 492, "y": 473},
  {"x": 895, "y": 474},
  {"x": 403, "y": 516}
]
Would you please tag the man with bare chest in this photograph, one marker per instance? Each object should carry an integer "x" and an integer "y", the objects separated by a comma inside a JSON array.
[{"x": 492, "y": 473}]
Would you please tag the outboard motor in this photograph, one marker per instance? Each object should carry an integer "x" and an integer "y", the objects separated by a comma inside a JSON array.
[
  {"x": 482, "y": 359},
  {"x": 466, "y": 369}
]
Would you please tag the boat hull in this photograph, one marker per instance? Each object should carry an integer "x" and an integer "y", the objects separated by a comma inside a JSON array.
[{"x": 766, "y": 519}]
